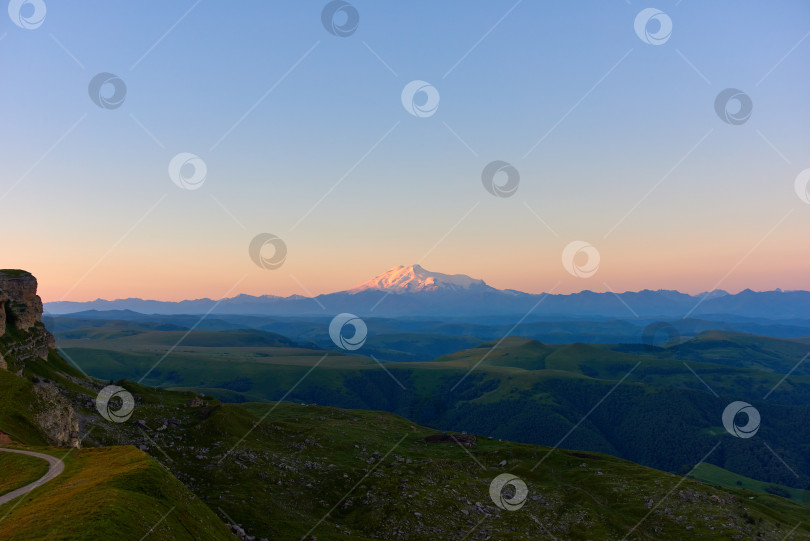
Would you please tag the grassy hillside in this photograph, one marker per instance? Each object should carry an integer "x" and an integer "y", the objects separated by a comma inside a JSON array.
[
  {"x": 17, "y": 409},
  {"x": 523, "y": 390},
  {"x": 778, "y": 355},
  {"x": 113, "y": 491},
  {"x": 337, "y": 474},
  {"x": 711, "y": 474},
  {"x": 19, "y": 470},
  {"x": 285, "y": 470},
  {"x": 109, "y": 492}
]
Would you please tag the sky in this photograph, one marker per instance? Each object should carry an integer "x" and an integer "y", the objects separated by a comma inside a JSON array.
[{"x": 301, "y": 131}]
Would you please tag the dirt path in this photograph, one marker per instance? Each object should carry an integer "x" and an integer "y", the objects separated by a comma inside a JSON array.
[{"x": 56, "y": 467}]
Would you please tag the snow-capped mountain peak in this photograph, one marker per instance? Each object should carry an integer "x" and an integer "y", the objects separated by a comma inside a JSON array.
[{"x": 414, "y": 278}]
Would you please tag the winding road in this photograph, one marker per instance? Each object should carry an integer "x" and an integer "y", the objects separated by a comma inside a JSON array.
[{"x": 56, "y": 466}]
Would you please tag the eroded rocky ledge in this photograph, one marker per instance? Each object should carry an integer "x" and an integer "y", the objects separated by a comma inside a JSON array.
[
  {"x": 24, "y": 339},
  {"x": 21, "y": 306}
]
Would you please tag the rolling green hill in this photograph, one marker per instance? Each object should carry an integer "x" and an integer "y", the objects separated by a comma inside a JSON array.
[
  {"x": 286, "y": 471},
  {"x": 660, "y": 416},
  {"x": 742, "y": 350},
  {"x": 709, "y": 473},
  {"x": 184, "y": 465},
  {"x": 110, "y": 491},
  {"x": 19, "y": 470}
]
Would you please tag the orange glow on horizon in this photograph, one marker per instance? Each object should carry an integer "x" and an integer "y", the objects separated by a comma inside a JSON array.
[{"x": 165, "y": 285}]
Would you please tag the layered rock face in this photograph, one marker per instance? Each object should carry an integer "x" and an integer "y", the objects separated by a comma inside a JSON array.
[
  {"x": 21, "y": 309},
  {"x": 56, "y": 417},
  {"x": 24, "y": 338},
  {"x": 19, "y": 300}
]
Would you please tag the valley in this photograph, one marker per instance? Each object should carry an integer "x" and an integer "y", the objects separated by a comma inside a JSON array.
[
  {"x": 665, "y": 414},
  {"x": 254, "y": 434}
]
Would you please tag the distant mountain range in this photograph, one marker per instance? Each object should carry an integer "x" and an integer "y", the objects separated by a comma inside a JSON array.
[{"x": 411, "y": 291}]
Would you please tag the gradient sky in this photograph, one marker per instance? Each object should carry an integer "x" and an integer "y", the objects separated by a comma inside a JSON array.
[{"x": 625, "y": 128}]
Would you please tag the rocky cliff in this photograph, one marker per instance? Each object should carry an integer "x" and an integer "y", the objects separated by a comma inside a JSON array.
[
  {"x": 22, "y": 334},
  {"x": 19, "y": 300},
  {"x": 24, "y": 342}
]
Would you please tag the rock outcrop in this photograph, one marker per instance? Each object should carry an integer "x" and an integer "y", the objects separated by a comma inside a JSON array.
[
  {"x": 21, "y": 310},
  {"x": 23, "y": 339},
  {"x": 21, "y": 306},
  {"x": 3, "y": 304},
  {"x": 56, "y": 417}
]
